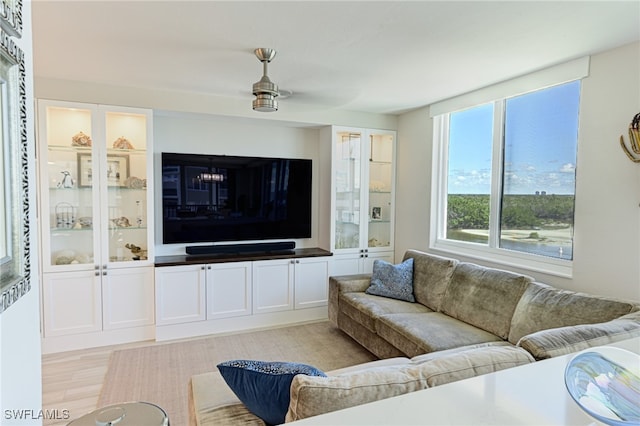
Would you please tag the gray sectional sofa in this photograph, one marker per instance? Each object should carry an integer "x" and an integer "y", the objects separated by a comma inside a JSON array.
[
  {"x": 460, "y": 304},
  {"x": 466, "y": 320}
]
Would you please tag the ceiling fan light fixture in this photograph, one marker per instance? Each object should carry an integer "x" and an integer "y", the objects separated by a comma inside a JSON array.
[
  {"x": 265, "y": 102},
  {"x": 265, "y": 90}
]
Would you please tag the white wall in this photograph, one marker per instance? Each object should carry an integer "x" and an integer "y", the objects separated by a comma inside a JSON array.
[
  {"x": 20, "y": 360},
  {"x": 607, "y": 218},
  {"x": 230, "y": 136}
]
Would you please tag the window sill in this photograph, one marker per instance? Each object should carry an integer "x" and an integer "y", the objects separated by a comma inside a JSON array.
[{"x": 507, "y": 258}]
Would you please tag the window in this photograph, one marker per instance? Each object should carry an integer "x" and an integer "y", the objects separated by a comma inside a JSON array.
[{"x": 506, "y": 177}]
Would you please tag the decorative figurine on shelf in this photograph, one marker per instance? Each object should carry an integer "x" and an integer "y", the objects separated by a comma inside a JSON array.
[
  {"x": 121, "y": 222},
  {"x": 65, "y": 215},
  {"x": 137, "y": 252},
  {"x": 67, "y": 181},
  {"x": 81, "y": 139},
  {"x": 135, "y": 183},
  {"x": 122, "y": 143},
  {"x": 634, "y": 140}
]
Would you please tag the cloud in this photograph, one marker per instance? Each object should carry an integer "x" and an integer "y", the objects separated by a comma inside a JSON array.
[{"x": 568, "y": 168}]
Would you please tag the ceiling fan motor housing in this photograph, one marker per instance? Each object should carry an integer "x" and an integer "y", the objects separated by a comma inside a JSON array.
[{"x": 265, "y": 85}]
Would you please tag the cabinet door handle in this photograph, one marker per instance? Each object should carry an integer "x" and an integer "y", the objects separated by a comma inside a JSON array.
[
  {"x": 104, "y": 266},
  {"x": 97, "y": 273},
  {"x": 209, "y": 267},
  {"x": 202, "y": 267},
  {"x": 104, "y": 273}
]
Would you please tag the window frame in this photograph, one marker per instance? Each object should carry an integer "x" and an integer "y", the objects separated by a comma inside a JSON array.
[{"x": 491, "y": 251}]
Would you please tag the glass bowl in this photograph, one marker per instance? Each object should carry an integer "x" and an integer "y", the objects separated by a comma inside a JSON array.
[{"x": 605, "y": 383}]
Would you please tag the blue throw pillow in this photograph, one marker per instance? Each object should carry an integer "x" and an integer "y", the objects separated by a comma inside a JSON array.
[
  {"x": 395, "y": 281},
  {"x": 263, "y": 386}
]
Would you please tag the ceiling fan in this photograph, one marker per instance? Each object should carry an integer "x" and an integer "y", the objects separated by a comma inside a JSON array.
[{"x": 265, "y": 90}]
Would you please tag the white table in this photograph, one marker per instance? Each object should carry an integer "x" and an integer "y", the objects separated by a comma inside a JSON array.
[{"x": 533, "y": 394}]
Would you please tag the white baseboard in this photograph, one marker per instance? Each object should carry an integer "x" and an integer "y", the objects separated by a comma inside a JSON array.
[
  {"x": 243, "y": 323},
  {"x": 96, "y": 339},
  {"x": 182, "y": 331}
]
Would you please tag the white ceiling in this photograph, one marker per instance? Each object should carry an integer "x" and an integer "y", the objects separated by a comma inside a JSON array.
[{"x": 371, "y": 56}]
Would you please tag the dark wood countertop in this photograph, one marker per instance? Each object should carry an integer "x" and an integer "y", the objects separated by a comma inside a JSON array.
[{"x": 190, "y": 259}]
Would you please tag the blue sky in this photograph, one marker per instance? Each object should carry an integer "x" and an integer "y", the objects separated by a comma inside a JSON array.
[{"x": 540, "y": 149}]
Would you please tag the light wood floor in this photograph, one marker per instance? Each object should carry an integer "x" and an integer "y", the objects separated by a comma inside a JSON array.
[{"x": 72, "y": 380}]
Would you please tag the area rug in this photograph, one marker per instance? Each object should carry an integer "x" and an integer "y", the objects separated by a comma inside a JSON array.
[{"x": 160, "y": 373}]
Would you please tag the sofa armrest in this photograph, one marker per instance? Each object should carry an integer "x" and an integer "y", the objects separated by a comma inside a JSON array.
[
  {"x": 565, "y": 340},
  {"x": 345, "y": 284},
  {"x": 350, "y": 283}
]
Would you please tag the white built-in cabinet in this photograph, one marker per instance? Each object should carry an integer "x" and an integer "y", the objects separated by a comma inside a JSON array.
[
  {"x": 281, "y": 285},
  {"x": 195, "y": 299},
  {"x": 362, "y": 198},
  {"x": 96, "y": 224},
  {"x": 188, "y": 293},
  {"x": 229, "y": 290},
  {"x": 273, "y": 285}
]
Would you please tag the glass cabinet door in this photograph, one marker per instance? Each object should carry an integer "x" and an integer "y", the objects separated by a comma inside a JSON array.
[
  {"x": 380, "y": 190},
  {"x": 347, "y": 164},
  {"x": 363, "y": 191},
  {"x": 94, "y": 169},
  {"x": 125, "y": 179},
  {"x": 67, "y": 157}
]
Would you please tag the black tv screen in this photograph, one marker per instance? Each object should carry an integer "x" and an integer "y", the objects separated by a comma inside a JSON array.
[{"x": 210, "y": 198}]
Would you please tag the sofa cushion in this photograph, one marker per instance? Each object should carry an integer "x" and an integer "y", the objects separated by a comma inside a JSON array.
[
  {"x": 543, "y": 307},
  {"x": 365, "y": 308},
  {"x": 311, "y": 396},
  {"x": 263, "y": 386},
  {"x": 394, "y": 281},
  {"x": 370, "y": 340},
  {"x": 211, "y": 402},
  {"x": 419, "y": 359},
  {"x": 230, "y": 415},
  {"x": 388, "y": 362},
  {"x": 472, "y": 362},
  {"x": 565, "y": 340},
  {"x": 484, "y": 297},
  {"x": 431, "y": 275},
  {"x": 417, "y": 333}
]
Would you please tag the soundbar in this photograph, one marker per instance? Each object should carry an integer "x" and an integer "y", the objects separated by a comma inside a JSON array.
[{"x": 242, "y": 248}]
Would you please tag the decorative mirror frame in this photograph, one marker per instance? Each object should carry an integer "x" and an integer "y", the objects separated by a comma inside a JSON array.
[
  {"x": 15, "y": 259},
  {"x": 11, "y": 17}
]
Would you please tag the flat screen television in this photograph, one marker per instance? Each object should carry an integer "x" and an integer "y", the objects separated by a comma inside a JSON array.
[{"x": 213, "y": 198}]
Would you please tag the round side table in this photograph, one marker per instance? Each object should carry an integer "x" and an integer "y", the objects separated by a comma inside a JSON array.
[{"x": 125, "y": 414}]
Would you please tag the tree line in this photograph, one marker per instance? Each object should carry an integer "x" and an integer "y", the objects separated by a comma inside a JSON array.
[{"x": 471, "y": 211}]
